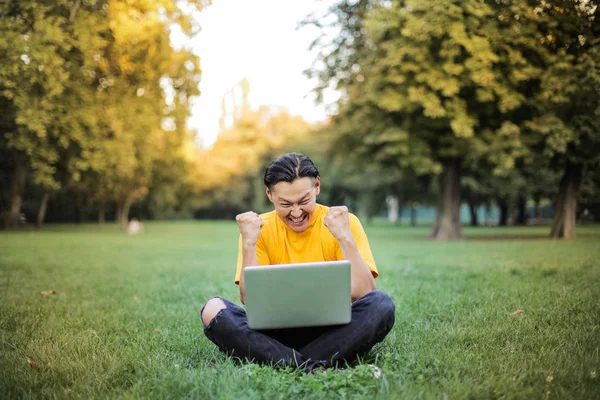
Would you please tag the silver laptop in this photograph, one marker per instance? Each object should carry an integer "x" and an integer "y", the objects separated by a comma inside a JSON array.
[{"x": 297, "y": 295}]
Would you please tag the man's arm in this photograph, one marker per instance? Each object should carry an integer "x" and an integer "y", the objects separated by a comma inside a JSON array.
[
  {"x": 361, "y": 276},
  {"x": 250, "y": 224},
  {"x": 248, "y": 258},
  {"x": 362, "y": 281}
]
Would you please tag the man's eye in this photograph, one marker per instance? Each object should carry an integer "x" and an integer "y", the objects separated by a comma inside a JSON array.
[{"x": 285, "y": 205}]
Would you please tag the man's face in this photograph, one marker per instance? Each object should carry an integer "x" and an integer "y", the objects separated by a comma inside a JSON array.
[{"x": 295, "y": 202}]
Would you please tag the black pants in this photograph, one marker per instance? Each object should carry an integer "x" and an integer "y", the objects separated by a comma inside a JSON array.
[{"x": 307, "y": 348}]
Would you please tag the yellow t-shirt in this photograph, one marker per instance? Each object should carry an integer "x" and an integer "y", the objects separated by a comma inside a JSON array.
[{"x": 278, "y": 244}]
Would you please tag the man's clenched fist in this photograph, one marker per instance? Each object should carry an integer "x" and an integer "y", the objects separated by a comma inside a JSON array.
[
  {"x": 338, "y": 223},
  {"x": 249, "y": 224}
]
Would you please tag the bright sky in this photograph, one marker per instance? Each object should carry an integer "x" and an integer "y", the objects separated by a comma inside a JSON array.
[{"x": 258, "y": 40}]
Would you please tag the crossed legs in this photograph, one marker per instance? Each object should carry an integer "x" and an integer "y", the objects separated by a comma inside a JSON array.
[{"x": 226, "y": 325}]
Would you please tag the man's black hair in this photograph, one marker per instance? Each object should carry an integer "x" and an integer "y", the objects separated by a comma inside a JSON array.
[{"x": 288, "y": 168}]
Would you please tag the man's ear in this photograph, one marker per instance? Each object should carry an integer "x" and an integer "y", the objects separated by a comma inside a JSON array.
[
  {"x": 318, "y": 185},
  {"x": 269, "y": 195}
]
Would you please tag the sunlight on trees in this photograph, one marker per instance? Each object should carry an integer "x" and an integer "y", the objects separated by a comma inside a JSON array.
[
  {"x": 229, "y": 174},
  {"x": 441, "y": 103},
  {"x": 84, "y": 109}
]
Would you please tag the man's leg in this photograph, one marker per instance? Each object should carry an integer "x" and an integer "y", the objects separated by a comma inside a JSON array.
[
  {"x": 297, "y": 338},
  {"x": 372, "y": 319},
  {"x": 211, "y": 309},
  {"x": 226, "y": 325}
]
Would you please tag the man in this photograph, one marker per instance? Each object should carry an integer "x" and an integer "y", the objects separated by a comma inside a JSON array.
[{"x": 300, "y": 230}]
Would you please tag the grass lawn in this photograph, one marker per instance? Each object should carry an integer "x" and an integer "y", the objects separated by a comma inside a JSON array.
[{"x": 124, "y": 323}]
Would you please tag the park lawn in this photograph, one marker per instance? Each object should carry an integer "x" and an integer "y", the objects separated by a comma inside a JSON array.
[{"x": 124, "y": 323}]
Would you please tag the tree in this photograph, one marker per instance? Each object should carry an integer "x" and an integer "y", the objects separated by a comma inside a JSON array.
[
  {"x": 149, "y": 79},
  {"x": 427, "y": 84},
  {"x": 568, "y": 118},
  {"x": 34, "y": 46},
  {"x": 94, "y": 92}
]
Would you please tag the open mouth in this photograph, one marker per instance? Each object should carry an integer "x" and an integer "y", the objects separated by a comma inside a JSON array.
[{"x": 297, "y": 221}]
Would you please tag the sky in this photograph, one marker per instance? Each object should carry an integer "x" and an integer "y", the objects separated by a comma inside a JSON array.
[{"x": 258, "y": 40}]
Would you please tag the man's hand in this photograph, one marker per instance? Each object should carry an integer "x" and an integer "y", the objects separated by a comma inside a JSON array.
[
  {"x": 338, "y": 223},
  {"x": 361, "y": 279},
  {"x": 249, "y": 224}
]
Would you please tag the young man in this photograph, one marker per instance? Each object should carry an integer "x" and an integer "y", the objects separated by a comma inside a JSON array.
[{"x": 301, "y": 230}]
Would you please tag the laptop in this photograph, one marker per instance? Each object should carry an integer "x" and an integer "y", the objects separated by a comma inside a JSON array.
[{"x": 298, "y": 295}]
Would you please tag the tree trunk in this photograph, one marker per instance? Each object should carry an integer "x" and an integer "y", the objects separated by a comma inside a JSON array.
[
  {"x": 126, "y": 205},
  {"x": 447, "y": 217},
  {"x": 119, "y": 212},
  {"x": 125, "y": 213},
  {"x": 42, "y": 210},
  {"x": 473, "y": 211},
  {"x": 413, "y": 214},
  {"x": 566, "y": 202},
  {"x": 13, "y": 213},
  {"x": 101, "y": 213},
  {"x": 522, "y": 210},
  {"x": 503, "y": 205}
]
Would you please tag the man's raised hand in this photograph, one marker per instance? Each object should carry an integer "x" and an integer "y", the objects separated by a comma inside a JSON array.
[
  {"x": 338, "y": 223},
  {"x": 249, "y": 224}
]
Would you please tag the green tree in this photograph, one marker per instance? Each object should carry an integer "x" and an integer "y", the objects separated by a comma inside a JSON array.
[
  {"x": 568, "y": 120},
  {"x": 35, "y": 45},
  {"x": 140, "y": 74},
  {"x": 96, "y": 90},
  {"x": 427, "y": 84}
]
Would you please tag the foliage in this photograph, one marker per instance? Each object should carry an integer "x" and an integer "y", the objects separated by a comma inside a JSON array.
[
  {"x": 471, "y": 87},
  {"x": 431, "y": 80},
  {"x": 96, "y": 95},
  {"x": 429, "y": 86},
  {"x": 229, "y": 176},
  {"x": 568, "y": 101}
]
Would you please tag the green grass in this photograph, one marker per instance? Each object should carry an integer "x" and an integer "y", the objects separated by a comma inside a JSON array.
[{"x": 124, "y": 321}]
